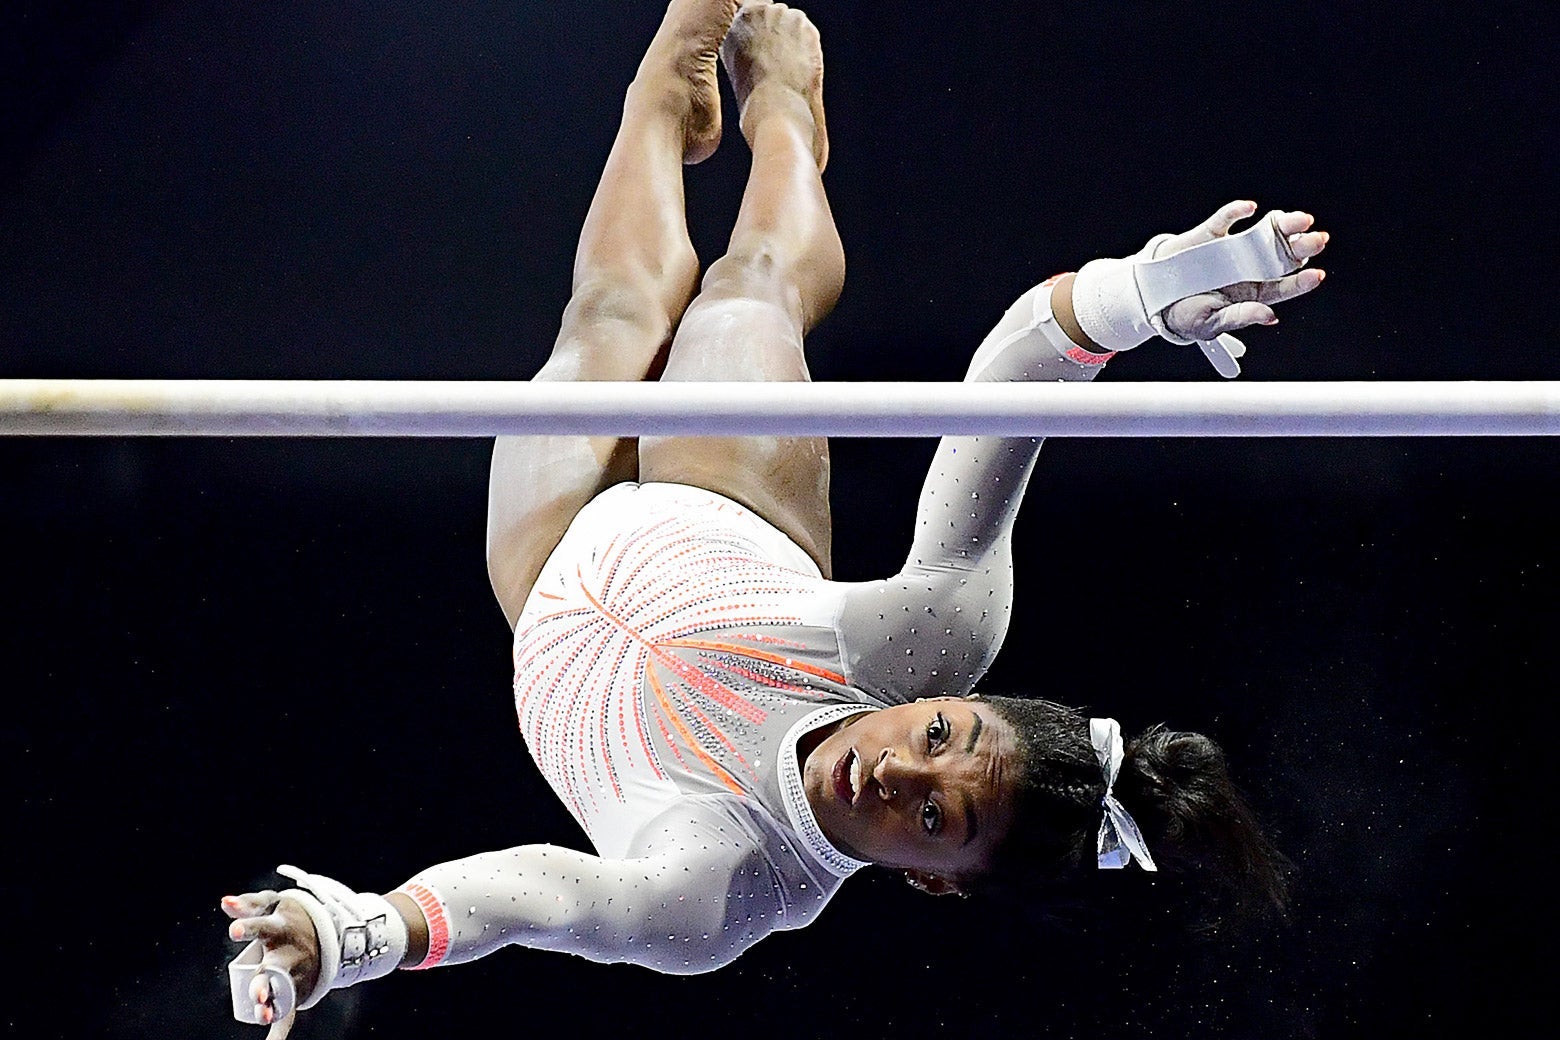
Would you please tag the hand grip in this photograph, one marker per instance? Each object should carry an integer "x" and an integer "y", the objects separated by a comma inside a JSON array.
[{"x": 242, "y": 971}]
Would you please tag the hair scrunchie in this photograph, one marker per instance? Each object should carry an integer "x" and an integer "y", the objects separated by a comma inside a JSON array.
[{"x": 1120, "y": 841}]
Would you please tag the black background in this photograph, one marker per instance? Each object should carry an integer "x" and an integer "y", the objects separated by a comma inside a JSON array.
[{"x": 222, "y": 654}]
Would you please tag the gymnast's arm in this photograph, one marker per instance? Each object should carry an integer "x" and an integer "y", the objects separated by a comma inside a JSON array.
[
  {"x": 935, "y": 627},
  {"x": 690, "y": 905},
  {"x": 697, "y": 890}
]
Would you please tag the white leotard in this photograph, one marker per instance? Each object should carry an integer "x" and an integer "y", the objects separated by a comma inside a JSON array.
[{"x": 671, "y": 654}]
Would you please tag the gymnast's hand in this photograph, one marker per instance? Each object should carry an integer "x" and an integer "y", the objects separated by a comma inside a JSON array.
[
  {"x": 287, "y": 934},
  {"x": 1207, "y": 315}
]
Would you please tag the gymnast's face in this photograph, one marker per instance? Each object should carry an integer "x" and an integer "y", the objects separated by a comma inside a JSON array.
[{"x": 923, "y": 787}]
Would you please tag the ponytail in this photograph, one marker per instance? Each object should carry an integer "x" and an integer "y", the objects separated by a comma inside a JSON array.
[
  {"x": 1178, "y": 788},
  {"x": 1174, "y": 784}
]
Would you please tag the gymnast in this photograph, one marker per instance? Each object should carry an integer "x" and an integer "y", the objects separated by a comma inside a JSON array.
[{"x": 736, "y": 733}]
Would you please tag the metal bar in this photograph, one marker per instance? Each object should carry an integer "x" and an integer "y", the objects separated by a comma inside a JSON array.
[{"x": 278, "y": 408}]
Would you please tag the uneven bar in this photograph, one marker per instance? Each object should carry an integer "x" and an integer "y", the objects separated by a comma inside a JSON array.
[{"x": 281, "y": 408}]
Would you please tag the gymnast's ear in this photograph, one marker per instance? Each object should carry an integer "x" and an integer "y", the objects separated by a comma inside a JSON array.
[{"x": 932, "y": 884}]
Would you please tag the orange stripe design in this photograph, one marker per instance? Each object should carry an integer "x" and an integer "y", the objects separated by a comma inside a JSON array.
[
  {"x": 1086, "y": 357},
  {"x": 761, "y": 655},
  {"x": 709, "y": 724},
  {"x": 688, "y": 738},
  {"x": 661, "y": 635},
  {"x": 438, "y": 925},
  {"x": 722, "y": 695},
  {"x": 666, "y": 735}
]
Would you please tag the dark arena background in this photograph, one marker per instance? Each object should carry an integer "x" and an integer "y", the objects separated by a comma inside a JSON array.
[{"x": 224, "y": 654}]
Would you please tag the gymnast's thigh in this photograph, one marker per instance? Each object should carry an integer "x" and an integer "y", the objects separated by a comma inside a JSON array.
[
  {"x": 785, "y": 480},
  {"x": 536, "y": 485}
]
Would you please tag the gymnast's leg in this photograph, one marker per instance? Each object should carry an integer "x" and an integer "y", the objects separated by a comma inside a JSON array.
[
  {"x": 781, "y": 274},
  {"x": 634, "y": 273}
]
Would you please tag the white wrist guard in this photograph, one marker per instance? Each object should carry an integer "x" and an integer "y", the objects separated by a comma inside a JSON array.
[
  {"x": 1121, "y": 303},
  {"x": 361, "y": 936},
  {"x": 1013, "y": 345}
]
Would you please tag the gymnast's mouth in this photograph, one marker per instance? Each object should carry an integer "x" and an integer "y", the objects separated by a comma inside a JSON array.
[{"x": 849, "y": 777}]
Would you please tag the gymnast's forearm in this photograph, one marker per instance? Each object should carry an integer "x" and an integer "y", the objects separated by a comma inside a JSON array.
[
  {"x": 471, "y": 907},
  {"x": 643, "y": 911},
  {"x": 960, "y": 568},
  {"x": 416, "y": 928},
  {"x": 975, "y": 484}
]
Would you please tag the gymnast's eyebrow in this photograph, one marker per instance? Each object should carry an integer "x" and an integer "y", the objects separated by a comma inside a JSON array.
[
  {"x": 971, "y": 823},
  {"x": 974, "y": 732}
]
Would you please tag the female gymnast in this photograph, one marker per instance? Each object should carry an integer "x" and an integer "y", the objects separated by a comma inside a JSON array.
[{"x": 736, "y": 733}]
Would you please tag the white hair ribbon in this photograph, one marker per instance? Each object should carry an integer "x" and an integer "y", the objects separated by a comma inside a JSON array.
[{"x": 1120, "y": 840}]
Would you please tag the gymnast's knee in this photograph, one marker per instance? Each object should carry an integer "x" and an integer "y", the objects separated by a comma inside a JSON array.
[
  {"x": 806, "y": 284},
  {"x": 754, "y": 276},
  {"x": 618, "y": 311}
]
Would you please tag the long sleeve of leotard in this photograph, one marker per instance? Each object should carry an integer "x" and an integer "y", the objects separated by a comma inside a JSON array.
[
  {"x": 701, "y": 885},
  {"x": 935, "y": 627}
]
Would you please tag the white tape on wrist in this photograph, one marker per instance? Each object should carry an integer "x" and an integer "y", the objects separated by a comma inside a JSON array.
[
  {"x": 1031, "y": 315},
  {"x": 361, "y": 936},
  {"x": 1106, "y": 303}
]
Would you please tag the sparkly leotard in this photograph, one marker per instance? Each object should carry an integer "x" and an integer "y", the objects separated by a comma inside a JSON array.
[{"x": 671, "y": 654}]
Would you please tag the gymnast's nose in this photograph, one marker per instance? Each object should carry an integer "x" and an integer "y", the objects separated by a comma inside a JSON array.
[{"x": 896, "y": 775}]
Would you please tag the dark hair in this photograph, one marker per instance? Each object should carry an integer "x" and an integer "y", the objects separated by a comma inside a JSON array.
[{"x": 1174, "y": 784}]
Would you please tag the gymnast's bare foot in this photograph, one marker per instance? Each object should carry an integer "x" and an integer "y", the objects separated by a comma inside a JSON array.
[
  {"x": 678, "y": 71},
  {"x": 775, "y": 60}
]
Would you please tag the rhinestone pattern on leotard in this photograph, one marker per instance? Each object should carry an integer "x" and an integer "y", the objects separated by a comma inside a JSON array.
[{"x": 660, "y": 657}]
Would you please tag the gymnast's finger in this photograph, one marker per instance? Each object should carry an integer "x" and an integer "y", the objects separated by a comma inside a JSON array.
[
  {"x": 1290, "y": 286},
  {"x": 1308, "y": 244},
  {"x": 1292, "y": 222},
  {"x": 269, "y": 1004},
  {"x": 279, "y": 1030},
  {"x": 262, "y": 993},
  {"x": 270, "y": 929},
  {"x": 1218, "y": 225},
  {"x": 1237, "y": 316},
  {"x": 250, "y": 904}
]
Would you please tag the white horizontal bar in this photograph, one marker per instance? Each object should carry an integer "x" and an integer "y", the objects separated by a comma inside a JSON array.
[{"x": 275, "y": 408}]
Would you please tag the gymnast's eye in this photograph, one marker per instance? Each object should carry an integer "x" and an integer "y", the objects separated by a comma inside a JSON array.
[
  {"x": 937, "y": 732},
  {"x": 931, "y": 817}
]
